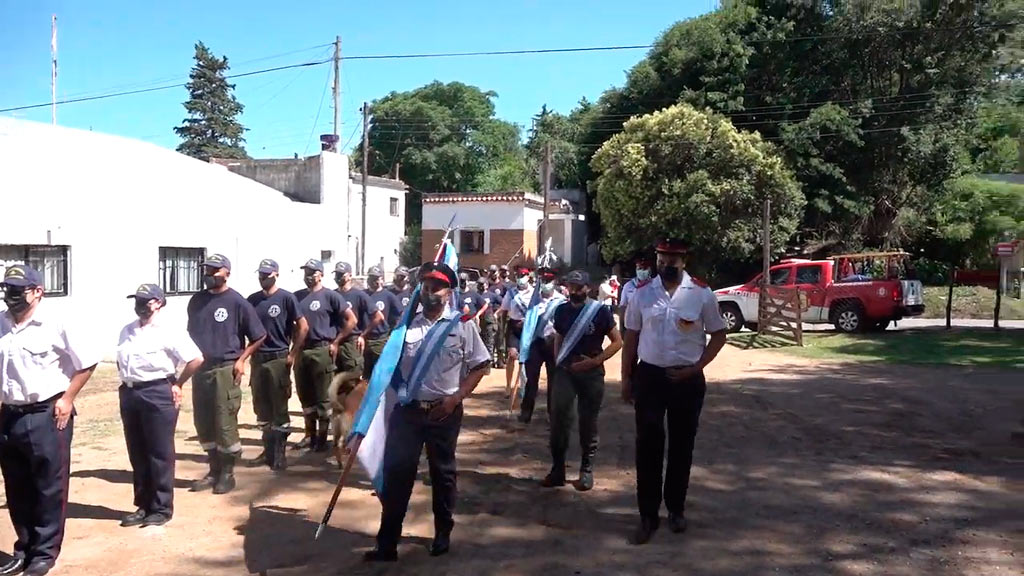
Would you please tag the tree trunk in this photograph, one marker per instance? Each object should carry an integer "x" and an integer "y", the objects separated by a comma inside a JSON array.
[{"x": 999, "y": 294}]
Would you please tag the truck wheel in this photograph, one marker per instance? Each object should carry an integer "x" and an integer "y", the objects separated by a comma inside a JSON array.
[
  {"x": 849, "y": 318},
  {"x": 732, "y": 317}
]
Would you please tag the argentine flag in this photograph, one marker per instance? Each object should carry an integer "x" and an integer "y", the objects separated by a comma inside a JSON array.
[{"x": 372, "y": 417}]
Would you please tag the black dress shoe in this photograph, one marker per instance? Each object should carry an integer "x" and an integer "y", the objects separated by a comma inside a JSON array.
[
  {"x": 39, "y": 568},
  {"x": 376, "y": 555},
  {"x": 644, "y": 532},
  {"x": 441, "y": 544},
  {"x": 156, "y": 519},
  {"x": 13, "y": 566},
  {"x": 553, "y": 480},
  {"x": 585, "y": 482},
  {"x": 133, "y": 519},
  {"x": 676, "y": 523}
]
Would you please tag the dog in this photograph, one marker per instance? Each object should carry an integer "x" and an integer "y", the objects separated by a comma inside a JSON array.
[{"x": 345, "y": 394}]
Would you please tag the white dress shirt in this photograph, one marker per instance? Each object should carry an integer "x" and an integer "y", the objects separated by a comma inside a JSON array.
[
  {"x": 39, "y": 357},
  {"x": 517, "y": 303},
  {"x": 627, "y": 291},
  {"x": 153, "y": 352},
  {"x": 672, "y": 328},
  {"x": 462, "y": 350}
]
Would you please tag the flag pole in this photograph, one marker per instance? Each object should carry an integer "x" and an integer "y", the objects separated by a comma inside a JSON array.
[{"x": 358, "y": 440}]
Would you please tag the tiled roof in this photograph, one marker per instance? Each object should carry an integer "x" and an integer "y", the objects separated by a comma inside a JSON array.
[{"x": 483, "y": 197}]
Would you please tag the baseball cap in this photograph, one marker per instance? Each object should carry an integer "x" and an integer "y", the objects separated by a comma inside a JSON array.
[
  {"x": 503, "y": 268},
  {"x": 402, "y": 271},
  {"x": 493, "y": 268},
  {"x": 314, "y": 265},
  {"x": 439, "y": 271},
  {"x": 268, "y": 266},
  {"x": 671, "y": 246},
  {"x": 149, "y": 292},
  {"x": 22, "y": 276},
  {"x": 375, "y": 270},
  {"x": 218, "y": 261},
  {"x": 463, "y": 276},
  {"x": 578, "y": 277},
  {"x": 343, "y": 268}
]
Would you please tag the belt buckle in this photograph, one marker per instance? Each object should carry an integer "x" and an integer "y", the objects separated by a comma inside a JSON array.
[{"x": 130, "y": 385}]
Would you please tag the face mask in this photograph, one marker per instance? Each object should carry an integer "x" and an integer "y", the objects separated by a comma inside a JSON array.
[
  {"x": 142, "y": 310},
  {"x": 340, "y": 279},
  {"x": 462, "y": 286},
  {"x": 577, "y": 297},
  {"x": 547, "y": 289},
  {"x": 16, "y": 302},
  {"x": 211, "y": 281},
  {"x": 522, "y": 283},
  {"x": 268, "y": 282},
  {"x": 373, "y": 283},
  {"x": 309, "y": 280},
  {"x": 643, "y": 274},
  {"x": 670, "y": 274},
  {"x": 400, "y": 281},
  {"x": 430, "y": 300}
]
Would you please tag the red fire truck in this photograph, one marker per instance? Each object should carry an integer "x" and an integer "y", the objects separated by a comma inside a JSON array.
[{"x": 854, "y": 292}]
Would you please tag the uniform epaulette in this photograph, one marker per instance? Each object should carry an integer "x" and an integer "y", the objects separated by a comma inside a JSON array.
[{"x": 699, "y": 282}]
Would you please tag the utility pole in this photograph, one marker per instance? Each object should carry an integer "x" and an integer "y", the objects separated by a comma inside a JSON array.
[
  {"x": 337, "y": 88},
  {"x": 545, "y": 174},
  {"x": 366, "y": 170},
  {"x": 53, "y": 69}
]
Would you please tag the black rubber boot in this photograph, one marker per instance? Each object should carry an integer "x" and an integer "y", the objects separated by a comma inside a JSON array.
[
  {"x": 321, "y": 436},
  {"x": 280, "y": 443},
  {"x": 586, "y": 480},
  {"x": 226, "y": 478},
  {"x": 556, "y": 477},
  {"x": 207, "y": 482},
  {"x": 310, "y": 440},
  {"x": 264, "y": 457}
]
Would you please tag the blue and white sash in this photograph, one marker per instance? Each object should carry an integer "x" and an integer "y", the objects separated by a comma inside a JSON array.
[
  {"x": 578, "y": 329},
  {"x": 549, "y": 313},
  {"x": 428, "y": 350}
]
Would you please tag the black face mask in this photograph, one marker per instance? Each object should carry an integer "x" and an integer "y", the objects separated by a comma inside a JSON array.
[
  {"x": 142, "y": 310},
  {"x": 430, "y": 300},
  {"x": 462, "y": 286},
  {"x": 211, "y": 281},
  {"x": 577, "y": 297},
  {"x": 268, "y": 282},
  {"x": 401, "y": 281},
  {"x": 16, "y": 301},
  {"x": 373, "y": 283},
  {"x": 309, "y": 280},
  {"x": 340, "y": 279},
  {"x": 670, "y": 274}
]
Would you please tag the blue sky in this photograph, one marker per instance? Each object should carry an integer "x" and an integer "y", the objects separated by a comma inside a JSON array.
[{"x": 108, "y": 46}]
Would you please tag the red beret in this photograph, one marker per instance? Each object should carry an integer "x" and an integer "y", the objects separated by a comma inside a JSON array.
[{"x": 671, "y": 246}]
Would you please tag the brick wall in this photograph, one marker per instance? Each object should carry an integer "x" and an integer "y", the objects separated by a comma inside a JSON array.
[{"x": 503, "y": 246}]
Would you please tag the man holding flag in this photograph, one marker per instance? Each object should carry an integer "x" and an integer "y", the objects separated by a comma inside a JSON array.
[
  {"x": 580, "y": 330},
  {"x": 538, "y": 350}
]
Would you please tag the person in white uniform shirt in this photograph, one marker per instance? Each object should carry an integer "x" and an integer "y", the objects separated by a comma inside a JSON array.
[
  {"x": 663, "y": 363},
  {"x": 442, "y": 362},
  {"x": 148, "y": 357},
  {"x": 643, "y": 276},
  {"x": 514, "y": 307},
  {"x": 43, "y": 367}
]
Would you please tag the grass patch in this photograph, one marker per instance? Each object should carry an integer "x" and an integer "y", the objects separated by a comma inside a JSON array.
[
  {"x": 970, "y": 302},
  {"x": 958, "y": 347}
]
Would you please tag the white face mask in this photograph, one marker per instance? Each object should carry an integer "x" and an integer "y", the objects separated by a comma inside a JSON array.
[
  {"x": 643, "y": 274},
  {"x": 546, "y": 290},
  {"x": 523, "y": 283}
]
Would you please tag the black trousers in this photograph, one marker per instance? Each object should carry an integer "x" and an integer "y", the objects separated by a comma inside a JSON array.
[
  {"x": 35, "y": 458},
  {"x": 149, "y": 418},
  {"x": 408, "y": 430},
  {"x": 654, "y": 398},
  {"x": 542, "y": 351}
]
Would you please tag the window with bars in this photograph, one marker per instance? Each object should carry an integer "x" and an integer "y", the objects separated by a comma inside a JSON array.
[
  {"x": 181, "y": 270},
  {"x": 50, "y": 261}
]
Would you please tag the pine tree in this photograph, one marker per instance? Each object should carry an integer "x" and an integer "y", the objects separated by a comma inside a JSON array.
[{"x": 211, "y": 129}]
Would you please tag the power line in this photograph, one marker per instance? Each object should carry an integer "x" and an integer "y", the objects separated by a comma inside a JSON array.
[
  {"x": 497, "y": 52},
  {"x": 159, "y": 88}
]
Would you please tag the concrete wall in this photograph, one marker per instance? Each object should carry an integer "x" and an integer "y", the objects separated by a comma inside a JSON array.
[
  {"x": 507, "y": 227},
  {"x": 71, "y": 182},
  {"x": 298, "y": 179}
]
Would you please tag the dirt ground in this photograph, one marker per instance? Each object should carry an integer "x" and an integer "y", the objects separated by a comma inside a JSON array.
[{"x": 800, "y": 468}]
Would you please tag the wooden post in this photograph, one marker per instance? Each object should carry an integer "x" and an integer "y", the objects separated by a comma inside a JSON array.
[
  {"x": 545, "y": 172},
  {"x": 949, "y": 298},
  {"x": 766, "y": 264},
  {"x": 366, "y": 169},
  {"x": 999, "y": 294}
]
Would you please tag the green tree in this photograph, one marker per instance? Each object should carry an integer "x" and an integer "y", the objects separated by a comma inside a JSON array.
[
  {"x": 693, "y": 173},
  {"x": 212, "y": 129},
  {"x": 563, "y": 133}
]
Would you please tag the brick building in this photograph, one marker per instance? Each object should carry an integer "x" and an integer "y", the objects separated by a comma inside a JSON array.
[{"x": 496, "y": 228}]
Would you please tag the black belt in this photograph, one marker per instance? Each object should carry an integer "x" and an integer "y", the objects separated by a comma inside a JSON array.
[
  {"x": 425, "y": 405},
  {"x": 214, "y": 364},
  {"x": 271, "y": 355},
  {"x": 147, "y": 384},
  {"x": 677, "y": 366},
  {"x": 34, "y": 407},
  {"x": 315, "y": 345},
  {"x": 383, "y": 336}
]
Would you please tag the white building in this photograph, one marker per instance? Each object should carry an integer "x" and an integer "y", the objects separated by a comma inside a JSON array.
[{"x": 100, "y": 214}]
